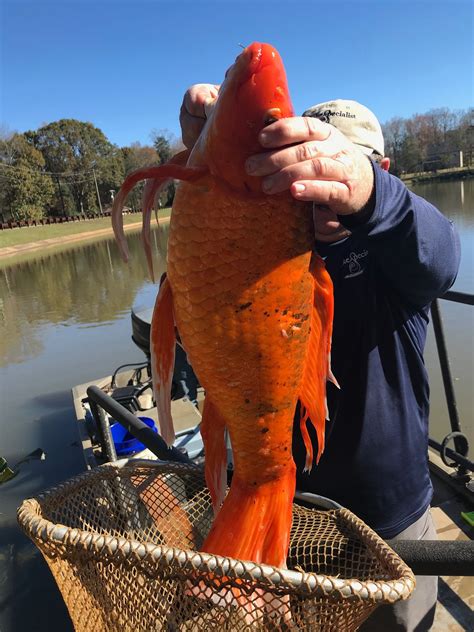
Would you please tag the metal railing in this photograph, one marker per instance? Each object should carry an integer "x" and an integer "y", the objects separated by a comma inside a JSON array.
[{"x": 459, "y": 456}]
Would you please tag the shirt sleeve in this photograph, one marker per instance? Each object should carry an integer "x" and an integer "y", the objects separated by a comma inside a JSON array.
[{"x": 417, "y": 248}]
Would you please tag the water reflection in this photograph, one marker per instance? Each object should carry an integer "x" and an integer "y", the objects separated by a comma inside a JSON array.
[
  {"x": 455, "y": 199},
  {"x": 85, "y": 287}
]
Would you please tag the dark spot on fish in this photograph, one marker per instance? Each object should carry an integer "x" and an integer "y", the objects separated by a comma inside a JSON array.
[
  {"x": 285, "y": 312},
  {"x": 276, "y": 310},
  {"x": 285, "y": 448},
  {"x": 247, "y": 401},
  {"x": 265, "y": 408},
  {"x": 264, "y": 430},
  {"x": 245, "y": 305}
]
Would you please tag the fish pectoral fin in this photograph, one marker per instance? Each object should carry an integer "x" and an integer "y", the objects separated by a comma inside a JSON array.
[
  {"x": 171, "y": 170},
  {"x": 213, "y": 436},
  {"x": 152, "y": 189},
  {"x": 162, "y": 345},
  {"x": 317, "y": 368}
]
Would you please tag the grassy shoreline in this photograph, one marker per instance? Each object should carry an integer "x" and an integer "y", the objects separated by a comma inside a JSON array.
[{"x": 71, "y": 231}]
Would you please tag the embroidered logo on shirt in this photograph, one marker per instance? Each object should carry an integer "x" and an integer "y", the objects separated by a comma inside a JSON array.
[{"x": 353, "y": 261}]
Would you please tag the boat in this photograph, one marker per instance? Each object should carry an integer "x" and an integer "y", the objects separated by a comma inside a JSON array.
[
  {"x": 130, "y": 387},
  {"x": 126, "y": 395}
]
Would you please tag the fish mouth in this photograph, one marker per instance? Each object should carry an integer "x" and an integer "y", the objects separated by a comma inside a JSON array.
[
  {"x": 254, "y": 59},
  {"x": 255, "y": 52}
]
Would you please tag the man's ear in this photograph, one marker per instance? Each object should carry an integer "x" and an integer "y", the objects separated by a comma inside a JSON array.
[{"x": 385, "y": 164}]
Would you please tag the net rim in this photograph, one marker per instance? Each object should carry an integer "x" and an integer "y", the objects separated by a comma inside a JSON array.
[{"x": 41, "y": 529}]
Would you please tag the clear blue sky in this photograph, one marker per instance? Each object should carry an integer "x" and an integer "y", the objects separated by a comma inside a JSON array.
[{"x": 124, "y": 65}]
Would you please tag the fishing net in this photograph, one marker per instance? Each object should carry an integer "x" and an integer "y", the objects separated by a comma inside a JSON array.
[{"x": 122, "y": 543}]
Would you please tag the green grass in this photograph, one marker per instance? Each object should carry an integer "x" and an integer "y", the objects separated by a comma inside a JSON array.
[{"x": 26, "y": 235}]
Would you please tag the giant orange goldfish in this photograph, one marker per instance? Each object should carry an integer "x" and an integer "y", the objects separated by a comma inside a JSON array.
[{"x": 253, "y": 307}]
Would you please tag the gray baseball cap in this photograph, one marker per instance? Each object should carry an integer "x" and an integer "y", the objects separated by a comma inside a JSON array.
[{"x": 354, "y": 120}]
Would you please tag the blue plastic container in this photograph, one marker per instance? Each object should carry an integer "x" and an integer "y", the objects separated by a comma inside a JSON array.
[{"x": 125, "y": 443}]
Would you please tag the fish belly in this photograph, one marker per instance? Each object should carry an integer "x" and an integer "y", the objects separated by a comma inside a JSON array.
[{"x": 242, "y": 292}]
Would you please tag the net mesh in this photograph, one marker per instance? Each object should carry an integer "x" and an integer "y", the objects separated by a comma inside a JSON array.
[{"x": 123, "y": 545}]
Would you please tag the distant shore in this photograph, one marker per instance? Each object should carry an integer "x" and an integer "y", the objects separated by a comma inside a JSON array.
[
  {"x": 454, "y": 173},
  {"x": 26, "y": 242}
]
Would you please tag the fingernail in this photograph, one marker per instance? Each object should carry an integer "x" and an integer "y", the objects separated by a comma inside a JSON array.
[
  {"x": 299, "y": 188},
  {"x": 250, "y": 166},
  {"x": 263, "y": 138},
  {"x": 267, "y": 184}
]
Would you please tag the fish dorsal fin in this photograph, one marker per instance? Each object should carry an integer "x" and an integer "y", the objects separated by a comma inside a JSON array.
[
  {"x": 164, "y": 173},
  {"x": 317, "y": 368}
]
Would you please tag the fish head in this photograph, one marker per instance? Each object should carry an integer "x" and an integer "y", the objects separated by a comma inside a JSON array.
[{"x": 253, "y": 95}]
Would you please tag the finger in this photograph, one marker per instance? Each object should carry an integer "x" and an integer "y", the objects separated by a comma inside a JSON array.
[
  {"x": 319, "y": 168},
  {"x": 191, "y": 127},
  {"x": 269, "y": 162},
  {"x": 198, "y": 96},
  {"x": 196, "y": 107},
  {"x": 336, "y": 195},
  {"x": 294, "y": 130}
]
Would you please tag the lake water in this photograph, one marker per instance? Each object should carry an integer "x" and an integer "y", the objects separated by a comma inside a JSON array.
[{"x": 65, "y": 320}]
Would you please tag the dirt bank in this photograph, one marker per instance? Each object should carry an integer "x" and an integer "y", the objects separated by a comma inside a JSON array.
[{"x": 11, "y": 251}]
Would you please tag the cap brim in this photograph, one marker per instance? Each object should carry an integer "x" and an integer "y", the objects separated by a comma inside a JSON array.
[{"x": 368, "y": 151}]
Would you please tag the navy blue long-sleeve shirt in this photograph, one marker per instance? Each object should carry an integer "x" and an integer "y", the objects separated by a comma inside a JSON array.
[{"x": 385, "y": 275}]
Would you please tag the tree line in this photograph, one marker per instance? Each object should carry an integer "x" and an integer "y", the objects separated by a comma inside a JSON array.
[
  {"x": 430, "y": 141},
  {"x": 69, "y": 168}
]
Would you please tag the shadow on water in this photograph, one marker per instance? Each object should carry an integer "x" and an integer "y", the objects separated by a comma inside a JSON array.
[{"x": 29, "y": 598}]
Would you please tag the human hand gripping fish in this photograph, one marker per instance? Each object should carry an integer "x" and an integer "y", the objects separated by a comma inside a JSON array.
[
  {"x": 309, "y": 157},
  {"x": 253, "y": 308}
]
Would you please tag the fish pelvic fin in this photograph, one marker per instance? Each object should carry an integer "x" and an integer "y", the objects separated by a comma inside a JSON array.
[
  {"x": 213, "y": 435},
  {"x": 317, "y": 368},
  {"x": 162, "y": 345},
  {"x": 254, "y": 522},
  {"x": 171, "y": 170}
]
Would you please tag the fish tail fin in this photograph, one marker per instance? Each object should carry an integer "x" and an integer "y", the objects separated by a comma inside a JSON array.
[
  {"x": 170, "y": 170},
  {"x": 152, "y": 188},
  {"x": 254, "y": 522},
  {"x": 162, "y": 345},
  {"x": 213, "y": 435},
  {"x": 317, "y": 369}
]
